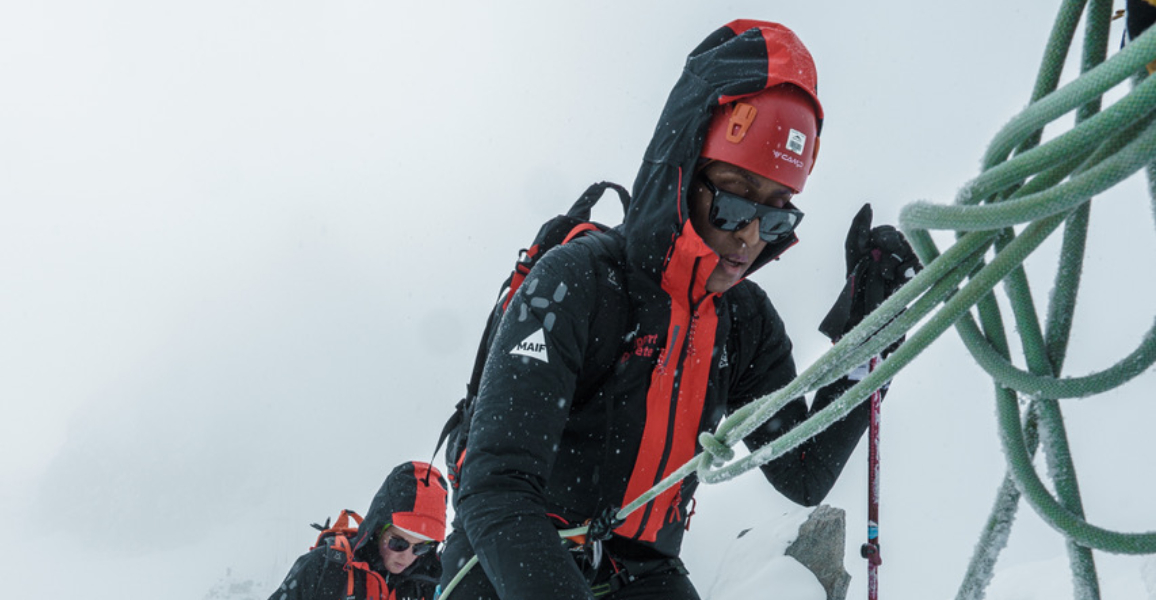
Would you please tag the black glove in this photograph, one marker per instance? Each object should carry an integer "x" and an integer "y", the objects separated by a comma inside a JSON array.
[
  {"x": 1141, "y": 15},
  {"x": 879, "y": 261}
]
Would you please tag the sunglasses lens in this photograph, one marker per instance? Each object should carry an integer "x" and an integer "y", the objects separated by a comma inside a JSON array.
[
  {"x": 731, "y": 213},
  {"x": 778, "y": 222},
  {"x": 397, "y": 544}
]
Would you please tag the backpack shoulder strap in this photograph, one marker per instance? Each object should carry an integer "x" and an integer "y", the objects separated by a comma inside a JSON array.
[
  {"x": 612, "y": 243},
  {"x": 339, "y": 551}
]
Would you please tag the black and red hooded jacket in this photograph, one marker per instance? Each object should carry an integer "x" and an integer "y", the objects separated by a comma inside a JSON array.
[
  {"x": 323, "y": 572},
  {"x": 609, "y": 363}
]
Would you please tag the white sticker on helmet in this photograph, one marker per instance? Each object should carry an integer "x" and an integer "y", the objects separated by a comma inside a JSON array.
[{"x": 796, "y": 141}]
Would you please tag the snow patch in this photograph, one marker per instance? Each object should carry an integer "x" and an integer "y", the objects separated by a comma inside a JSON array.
[
  {"x": 755, "y": 563},
  {"x": 1148, "y": 574},
  {"x": 1052, "y": 578}
]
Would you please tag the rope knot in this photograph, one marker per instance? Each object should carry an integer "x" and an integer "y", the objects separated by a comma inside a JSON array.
[{"x": 717, "y": 452}]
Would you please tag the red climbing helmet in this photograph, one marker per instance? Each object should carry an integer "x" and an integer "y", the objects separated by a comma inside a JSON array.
[{"x": 775, "y": 132}]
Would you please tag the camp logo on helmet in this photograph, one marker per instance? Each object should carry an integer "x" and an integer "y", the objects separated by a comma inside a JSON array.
[{"x": 783, "y": 156}]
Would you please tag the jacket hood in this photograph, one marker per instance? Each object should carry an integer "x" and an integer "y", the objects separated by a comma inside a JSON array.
[
  {"x": 413, "y": 497},
  {"x": 740, "y": 59}
]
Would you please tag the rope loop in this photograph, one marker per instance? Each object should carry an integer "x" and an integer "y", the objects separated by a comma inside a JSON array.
[{"x": 716, "y": 452}]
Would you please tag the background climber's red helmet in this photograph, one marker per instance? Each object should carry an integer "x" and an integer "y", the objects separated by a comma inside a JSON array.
[{"x": 774, "y": 133}]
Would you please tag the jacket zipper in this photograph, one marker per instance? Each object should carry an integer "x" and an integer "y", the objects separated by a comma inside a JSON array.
[{"x": 675, "y": 388}]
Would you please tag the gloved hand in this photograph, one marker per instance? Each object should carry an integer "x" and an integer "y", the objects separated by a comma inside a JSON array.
[{"x": 879, "y": 261}]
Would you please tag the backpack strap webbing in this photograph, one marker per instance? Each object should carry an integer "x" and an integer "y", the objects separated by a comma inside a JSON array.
[{"x": 340, "y": 527}]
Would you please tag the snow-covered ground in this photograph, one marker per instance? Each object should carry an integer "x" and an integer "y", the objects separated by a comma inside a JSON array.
[{"x": 246, "y": 251}]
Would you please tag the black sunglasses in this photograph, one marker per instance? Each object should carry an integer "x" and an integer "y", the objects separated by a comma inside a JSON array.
[
  {"x": 401, "y": 545},
  {"x": 731, "y": 212}
]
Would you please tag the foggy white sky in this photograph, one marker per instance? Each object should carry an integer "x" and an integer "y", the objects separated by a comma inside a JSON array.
[{"x": 247, "y": 247}]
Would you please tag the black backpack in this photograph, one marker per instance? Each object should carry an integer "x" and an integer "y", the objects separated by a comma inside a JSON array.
[
  {"x": 337, "y": 539},
  {"x": 555, "y": 232}
]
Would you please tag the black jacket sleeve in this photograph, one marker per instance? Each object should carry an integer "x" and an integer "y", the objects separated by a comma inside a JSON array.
[
  {"x": 320, "y": 575},
  {"x": 807, "y": 473},
  {"x": 315, "y": 576},
  {"x": 521, "y": 411}
]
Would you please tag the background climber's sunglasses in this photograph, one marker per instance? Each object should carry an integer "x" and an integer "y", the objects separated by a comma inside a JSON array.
[
  {"x": 731, "y": 212},
  {"x": 401, "y": 545}
]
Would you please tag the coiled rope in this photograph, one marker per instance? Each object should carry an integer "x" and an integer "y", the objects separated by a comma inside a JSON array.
[{"x": 1042, "y": 187}]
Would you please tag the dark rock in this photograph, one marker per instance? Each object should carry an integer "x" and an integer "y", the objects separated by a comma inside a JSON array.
[{"x": 820, "y": 548}]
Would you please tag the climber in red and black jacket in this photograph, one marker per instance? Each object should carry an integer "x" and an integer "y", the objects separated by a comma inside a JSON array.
[
  {"x": 394, "y": 553},
  {"x": 619, "y": 349}
]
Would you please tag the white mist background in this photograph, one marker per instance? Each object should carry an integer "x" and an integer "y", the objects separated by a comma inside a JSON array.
[{"x": 247, "y": 250}]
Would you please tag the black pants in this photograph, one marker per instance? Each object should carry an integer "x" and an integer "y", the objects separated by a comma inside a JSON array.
[{"x": 651, "y": 581}]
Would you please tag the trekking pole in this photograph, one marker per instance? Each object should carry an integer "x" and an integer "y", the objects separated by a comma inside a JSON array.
[{"x": 870, "y": 550}]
